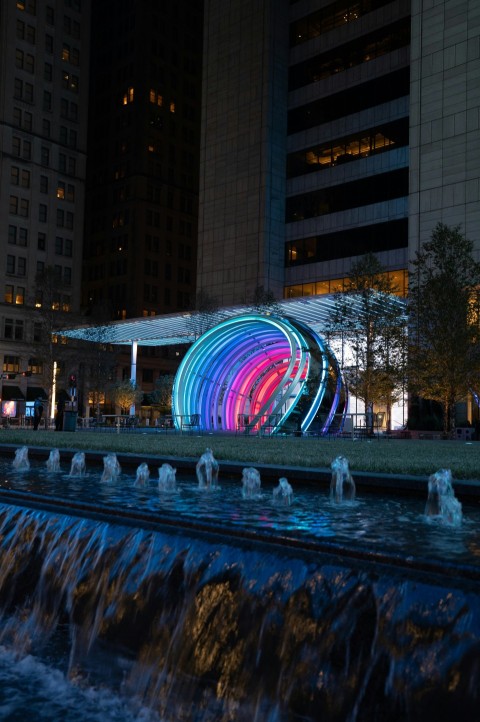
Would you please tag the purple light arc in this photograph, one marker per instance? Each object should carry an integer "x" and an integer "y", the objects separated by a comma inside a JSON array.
[{"x": 264, "y": 372}]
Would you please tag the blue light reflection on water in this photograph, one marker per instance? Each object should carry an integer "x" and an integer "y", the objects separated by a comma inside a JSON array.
[{"x": 380, "y": 523}]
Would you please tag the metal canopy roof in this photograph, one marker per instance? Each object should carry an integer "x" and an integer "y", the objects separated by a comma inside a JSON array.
[{"x": 180, "y": 328}]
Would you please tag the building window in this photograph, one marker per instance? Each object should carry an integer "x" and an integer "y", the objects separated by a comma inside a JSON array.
[
  {"x": 10, "y": 265},
  {"x": 37, "y": 331},
  {"x": 45, "y": 156},
  {"x": 20, "y": 296},
  {"x": 43, "y": 184},
  {"x": 61, "y": 190},
  {"x": 50, "y": 15},
  {"x": 42, "y": 213},
  {"x": 35, "y": 365},
  {"x": 42, "y": 242},
  {"x": 49, "y": 44},
  {"x": 8, "y": 328},
  {"x": 13, "y": 206},
  {"x": 128, "y": 96},
  {"x": 46, "y": 128},
  {"x": 12, "y": 235},
  {"x": 67, "y": 247},
  {"x": 48, "y": 72},
  {"x": 11, "y": 364},
  {"x": 47, "y": 101},
  {"x": 67, "y": 276},
  {"x": 155, "y": 97},
  {"x": 22, "y": 236},
  {"x": 21, "y": 266},
  {"x": 8, "y": 295}
]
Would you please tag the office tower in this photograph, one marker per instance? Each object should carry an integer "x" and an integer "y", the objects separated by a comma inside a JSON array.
[
  {"x": 370, "y": 107},
  {"x": 43, "y": 112},
  {"x": 142, "y": 193}
]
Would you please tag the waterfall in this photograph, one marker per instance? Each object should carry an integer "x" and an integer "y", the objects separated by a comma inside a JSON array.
[{"x": 236, "y": 630}]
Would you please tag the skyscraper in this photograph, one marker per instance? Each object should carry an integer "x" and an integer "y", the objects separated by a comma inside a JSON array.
[
  {"x": 331, "y": 129},
  {"x": 44, "y": 64}
]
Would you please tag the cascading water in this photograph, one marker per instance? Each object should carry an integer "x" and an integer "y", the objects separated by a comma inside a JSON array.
[
  {"x": 210, "y": 630},
  {"x": 188, "y": 619}
]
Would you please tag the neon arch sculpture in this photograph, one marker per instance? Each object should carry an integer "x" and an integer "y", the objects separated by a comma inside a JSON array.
[{"x": 263, "y": 373}]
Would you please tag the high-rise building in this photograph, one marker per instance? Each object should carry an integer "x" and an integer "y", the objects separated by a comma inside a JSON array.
[
  {"x": 143, "y": 166},
  {"x": 332, "y": 129},
  {"x": 142, "y": 191},
  {"x": 44, "y": 68}
]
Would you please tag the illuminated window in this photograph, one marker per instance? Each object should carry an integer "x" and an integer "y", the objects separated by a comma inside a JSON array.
[
  {"x": 20, "y": 296},
  {"x": 128, "y": 96},
  {"x": 8, "y": 295},
  {"x": 172, "y": 106},
  {"x": 66, "y": 52},
  {"x": 61, "y": 190},
  {"x": 11, "y": 364},
  {"x": 155, "y": 97}
]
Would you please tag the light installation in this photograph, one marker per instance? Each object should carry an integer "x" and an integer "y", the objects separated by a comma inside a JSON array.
[{"x": 260, "y": 373}]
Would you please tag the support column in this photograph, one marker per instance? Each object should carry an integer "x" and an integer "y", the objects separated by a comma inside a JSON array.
[{"x": 133, "y": 370}]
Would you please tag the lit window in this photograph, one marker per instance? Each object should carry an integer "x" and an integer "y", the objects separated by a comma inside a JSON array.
[
  {"x": 8, "y": 295},
  {"x": 61, "y": 190},
  {"x": 172, "y": 106},
  {"x": 128, "y": 96}
]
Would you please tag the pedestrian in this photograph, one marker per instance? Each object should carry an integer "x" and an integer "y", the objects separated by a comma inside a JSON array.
[
  {"x": 59, "y": 414},
  {"x": 37, "y": 412}
]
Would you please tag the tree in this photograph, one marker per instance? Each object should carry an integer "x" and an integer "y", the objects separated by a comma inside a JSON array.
[
  {"x": 371, "y": 321},
  {"x": 51, "y": 315},
  {"x": 162, "y": 393},
  {"x": 264, "y": 302},
  {"x": 99, "y": 360},
  {"x": 205, "y": 315},
  {"x": 126, "y": 394},
  {"x": 444, "y": 348}
]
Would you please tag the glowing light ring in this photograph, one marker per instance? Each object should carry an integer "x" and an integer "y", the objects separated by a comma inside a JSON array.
[{"x": 274, "y": 371}]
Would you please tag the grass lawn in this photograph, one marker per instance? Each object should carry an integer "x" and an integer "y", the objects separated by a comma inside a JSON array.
[{"x": 385, "y": 456}]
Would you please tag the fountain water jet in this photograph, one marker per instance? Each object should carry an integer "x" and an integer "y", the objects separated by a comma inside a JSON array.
[
  {"x": 167, "y": 478},
  {"x": 21, "y": 462},
  {"x": 342, "y": 486},
  {"x": 251, "y": 483},
  {"x": 78, "y": 466},
  {"x": 53, "y": 461},
  {"x": 441, "y": 500},
  {"x": 111, "y": 468},
  {"x": 207, "y": 470},
  {"x": 283, "y": 492},
  {"x": 143, "y": 475}
]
